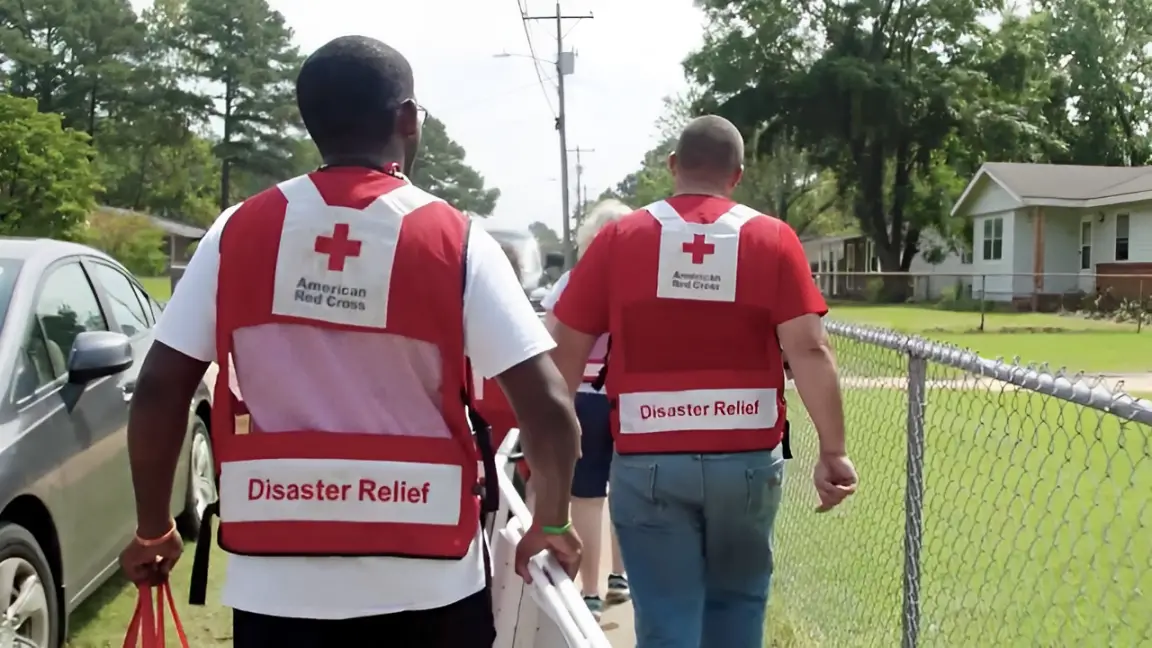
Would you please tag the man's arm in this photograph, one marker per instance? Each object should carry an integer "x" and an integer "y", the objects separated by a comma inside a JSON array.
[
  {"x": 549, "y": 433},
  {"x": 800, "y": 331},
  {"x": 185, "y": 343},
  {"x": 814, "y": 372},
  {"x": 580, "y": 314},
  {"x": 157, "y": 424},
  {"x": 506, "y": 340}
]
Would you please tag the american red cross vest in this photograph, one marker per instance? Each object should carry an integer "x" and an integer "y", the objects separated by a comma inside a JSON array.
[
  {"x": 695, "y": 366},
  {"x": 393, "y": 270}
]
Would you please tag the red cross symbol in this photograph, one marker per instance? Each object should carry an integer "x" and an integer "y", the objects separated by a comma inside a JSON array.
[
  {"x": 698, "y": 249},
  {"x": 338, "y": 247}
]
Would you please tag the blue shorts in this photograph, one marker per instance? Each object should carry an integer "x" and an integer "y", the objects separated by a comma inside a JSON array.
[{"x": 591, "y": 478}]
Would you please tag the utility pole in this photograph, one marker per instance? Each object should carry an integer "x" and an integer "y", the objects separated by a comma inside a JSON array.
[
  {"x": 564, "y": 65},
  {"x": 581, "y": 191}
]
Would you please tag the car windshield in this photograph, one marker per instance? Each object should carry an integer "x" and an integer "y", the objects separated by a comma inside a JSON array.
[{"x": 9, "y": 270}]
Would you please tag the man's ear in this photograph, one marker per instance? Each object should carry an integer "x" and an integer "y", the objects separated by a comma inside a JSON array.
[
  {"x": 407, "y": 123},
  {"x": 672, "y": 163},
  {"x": 738, "y": 176}
]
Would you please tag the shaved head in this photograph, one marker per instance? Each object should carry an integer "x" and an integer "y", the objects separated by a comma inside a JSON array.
[{"x": 710, "y": 147}]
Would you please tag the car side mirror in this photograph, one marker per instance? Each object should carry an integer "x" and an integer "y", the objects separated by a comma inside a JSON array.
[
  {"x": 554, "y": 260},
  {"x": 96, "y": 354}
]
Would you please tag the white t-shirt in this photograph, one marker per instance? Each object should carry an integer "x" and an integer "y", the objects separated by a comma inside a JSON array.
[
  {"x": 501, "y": 330},
  {"x": 549, "y": 302}
]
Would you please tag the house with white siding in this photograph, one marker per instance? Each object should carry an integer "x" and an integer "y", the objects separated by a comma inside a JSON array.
[
  {"x": 1051, "y": 229},
  {"x": 838, "y": 262}
]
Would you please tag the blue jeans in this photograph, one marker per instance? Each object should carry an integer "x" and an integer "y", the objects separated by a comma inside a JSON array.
[
  {"x": 590, "y": 478},
  {"x": 696, "y": 537}
]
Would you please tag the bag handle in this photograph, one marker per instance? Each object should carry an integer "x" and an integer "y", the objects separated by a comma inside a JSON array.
[{"x": 146, "y": 629}]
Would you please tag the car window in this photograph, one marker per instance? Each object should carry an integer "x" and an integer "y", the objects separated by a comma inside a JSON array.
[
  {"x": 9, "y": 270},
  {"x": 144, "y": 299},
  {"x": 34, "y": 365},
  {"x": 67, "y": 307},
  {"x": 126, "y": 307}
]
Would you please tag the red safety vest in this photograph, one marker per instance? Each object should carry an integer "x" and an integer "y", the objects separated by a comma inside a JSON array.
[
  {"x": 394, "y": 268},
  {"x": 695, "y": 366}
]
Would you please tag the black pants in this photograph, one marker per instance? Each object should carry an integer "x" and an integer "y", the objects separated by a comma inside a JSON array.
[{"x": 468, "y": 623}]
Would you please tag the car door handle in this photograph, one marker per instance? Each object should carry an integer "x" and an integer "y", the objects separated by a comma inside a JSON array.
[{"x": 128, "y": 389}]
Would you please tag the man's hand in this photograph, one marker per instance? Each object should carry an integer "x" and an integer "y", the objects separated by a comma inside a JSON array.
[
  {"x": 835, "y": 479},
  {"x": 151, "y": 564},
  {"x": 566, "y": 548}
]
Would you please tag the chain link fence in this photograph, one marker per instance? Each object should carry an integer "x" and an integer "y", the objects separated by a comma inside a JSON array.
[{"x": 1000, "y": 505}]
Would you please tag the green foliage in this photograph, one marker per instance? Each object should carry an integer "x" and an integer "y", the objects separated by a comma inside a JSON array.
[
  {"x": 547, "y": 238},
  {"x": 440, "y": 169},
  {"x": 898, "y": 104},
  {"x": 47, "y": 184},
  {"x": 189, "y": 105},
  {"x": 129, "y": 238}
]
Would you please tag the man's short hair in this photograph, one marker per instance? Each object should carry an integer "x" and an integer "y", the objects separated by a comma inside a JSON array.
[
  {"x": 349, "y": 90},
  {"x": 710, "y": 145}
]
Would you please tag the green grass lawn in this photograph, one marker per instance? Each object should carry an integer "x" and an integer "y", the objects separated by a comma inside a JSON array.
[
  {"x": 1076, "y": 343},
  {"x": 102, "y": 620},
  {"x": 1035, "y": 522},
  {"x": 160, "y": 288}
]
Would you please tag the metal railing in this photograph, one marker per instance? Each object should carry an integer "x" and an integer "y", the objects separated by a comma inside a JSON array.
[
  {"x": 1000, "y": 505},
  {"x": 549, "y": 613}
]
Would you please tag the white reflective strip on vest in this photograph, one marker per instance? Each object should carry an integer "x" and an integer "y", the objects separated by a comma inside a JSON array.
[
  {"x": 339, "y": 490},
  {"x": 592, "y": 370},
  {"x": 335, "y": 263},
  {"x": 699, "y": 261},
  {"x": 477, "y": 385},
  {"x": 697, "y": 409}
]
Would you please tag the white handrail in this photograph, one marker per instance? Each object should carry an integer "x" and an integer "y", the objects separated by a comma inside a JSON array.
[{"x": 554, "y": 592}]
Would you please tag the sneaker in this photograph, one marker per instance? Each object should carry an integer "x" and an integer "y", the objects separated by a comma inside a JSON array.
[
  {"x": 618, "y": 591},
  {"x": 595, "y": 606}
]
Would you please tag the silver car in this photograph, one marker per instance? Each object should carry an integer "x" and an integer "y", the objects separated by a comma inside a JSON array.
[{"x": 76, "y": 325}]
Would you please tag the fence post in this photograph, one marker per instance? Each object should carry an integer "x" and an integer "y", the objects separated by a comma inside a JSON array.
[
  {"x": 914, "y": 499},
  {"x": 983, "y": 299},
  {"x": 1140, "y": 308}
]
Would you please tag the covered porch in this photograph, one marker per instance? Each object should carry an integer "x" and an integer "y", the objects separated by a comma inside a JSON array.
[{"x": 837, "y": 262}]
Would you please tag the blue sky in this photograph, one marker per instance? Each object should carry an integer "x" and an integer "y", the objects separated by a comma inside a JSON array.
[{"x": 628, "y": 59}]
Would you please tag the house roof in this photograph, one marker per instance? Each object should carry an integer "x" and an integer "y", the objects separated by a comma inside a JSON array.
[
  {"x": 169, "y": 226},
  {"x": 1064, "y": 185}
]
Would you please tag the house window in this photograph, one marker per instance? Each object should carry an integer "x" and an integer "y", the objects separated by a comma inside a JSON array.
[
  {"x": 993, "y": 239},
  {"x": 1121, "y": 237},
  {"x": 965, "y": 257}
]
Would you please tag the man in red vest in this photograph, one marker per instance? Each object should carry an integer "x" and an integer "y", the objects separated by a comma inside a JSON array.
[
  {"x": 699, "y": 294},
  {"x": 347, "y": 300}
]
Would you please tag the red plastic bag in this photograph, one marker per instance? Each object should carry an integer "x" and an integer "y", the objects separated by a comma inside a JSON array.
[{"x": 146, "y": 629}]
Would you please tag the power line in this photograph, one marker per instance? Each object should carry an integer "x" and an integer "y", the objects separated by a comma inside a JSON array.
[
  {"x": 564, "y": 65},
  {"x": 535, "y": 60}
]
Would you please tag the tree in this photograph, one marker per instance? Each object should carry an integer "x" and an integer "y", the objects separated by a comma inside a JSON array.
[
  {"x": 152, "y": 156},
  {"x": 441, "y": 170},
  {"x": 47, "y": 183},
  {"x": 129, "y": 238},
  {"x": 869, "y": 90},
  {"x": 547, "y": 238},
  {"x": 243, "y": 50}
]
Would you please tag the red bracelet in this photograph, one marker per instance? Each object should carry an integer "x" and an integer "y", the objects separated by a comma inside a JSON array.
[{"x": 144, "y": 542}]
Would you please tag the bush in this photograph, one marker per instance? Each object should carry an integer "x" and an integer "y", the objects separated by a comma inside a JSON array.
[
  {"x": 129, "y": 238},
  {"x": 956, "y": 298},
  {"x": 874, "y": 290}
]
